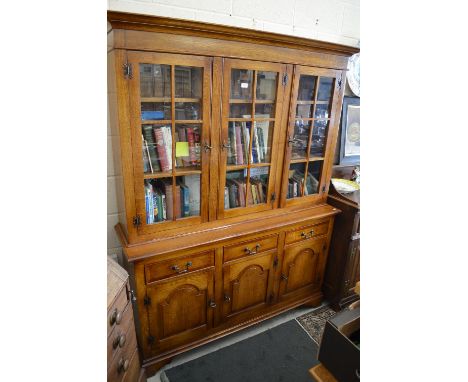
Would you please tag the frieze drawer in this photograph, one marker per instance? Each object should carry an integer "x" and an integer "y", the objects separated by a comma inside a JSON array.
[
  {"x": 307, "y": 232},
  {"x": 250, "y": 247}
]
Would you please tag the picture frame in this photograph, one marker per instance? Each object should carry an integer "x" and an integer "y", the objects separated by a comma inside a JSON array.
[{"x": 350, "y": 141}]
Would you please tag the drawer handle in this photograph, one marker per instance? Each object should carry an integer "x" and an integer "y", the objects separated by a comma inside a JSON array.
[
  {"x": 122, "y": 365},
  {"x": 227, "y": 298},
  {"x": 119, "y": 341},
  {"x": 252, "y": 252},
  {"x": 307, "y": 235},
  {"x": 284, "y": 277},
  {"x": 212, "y": 304},
  {"x": 176, "y": 268},
  {"x": 115, "y": 317}
]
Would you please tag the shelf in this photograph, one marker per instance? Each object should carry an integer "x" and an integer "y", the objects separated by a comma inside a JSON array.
[
  {"x": 168, "y": 99},
  {"x": 316, "y": 159},
  {"x": 240, "y": 101},
  {"x": 249, "y": 119},
  {"x": 169, "y": 121},
  {"x": 181, "y": 171},
  {"x": 258, "y": 101},
  {"x": 188, "y": 121},
  {"x": 312, "y": 102},
  {"x": 253, "y": 165},
  {"x": 311, "y": 119},
  {"x": 158, "y": 175},
  {"x": 234, "y": 167},
  {"x": 298, "y": 160}
]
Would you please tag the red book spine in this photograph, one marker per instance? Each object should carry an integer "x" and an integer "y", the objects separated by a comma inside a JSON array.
[
  {"x": 191, "y": 142},
  {"x": 239, "y": 150},
  {"x": 159, "y": 138}
]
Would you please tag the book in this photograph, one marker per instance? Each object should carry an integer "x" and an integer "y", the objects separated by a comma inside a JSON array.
[
  {"x": 255, "y": 147},
  {"x": 184, "y": 200},
  {"x": 260, "y": 192},
  {"x": 167, "y": 133},
  {"x": 226, "y": 198},
  {"x": 153, "y": 156},
  {"x": 164, "y": 206},
  {"x": 246, "y": 134},
  {"x": 155, "y": 206},
  {"x": 233, "y": 144},
  {"x": 183, "y": 138},
  {"x": 167, "y": 188},
  {"x": 254, "y": 193},
  {"x": 161, "y": 148},
  {"x": 191, "y": 142},
  {"x": 178, "y": 210},
  {"x": 178, "y": 160},
  {"x": 241, "y": 193},
  {"x": 193, "y": 184},
  {"x": 261, "y": 144},
  {"x": 149, "y": 209},
  {"x": 145, "y": 154},
  {"x": 232, "y": 194},
  {"x": 239, "y": 149}
]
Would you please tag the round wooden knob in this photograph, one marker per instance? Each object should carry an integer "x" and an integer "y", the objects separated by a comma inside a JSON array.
[
  {"x": 118, "y": 318},
  {"x": 113, "y": 317},
  {"x": 122, "y": 340},
  {"x": 123, "y": 365}
]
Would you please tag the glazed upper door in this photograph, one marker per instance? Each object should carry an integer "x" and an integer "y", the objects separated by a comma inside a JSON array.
[
  {"x": 313, "y": 126},
  {"x": 170, "y": 114},
  {"x": 252, "y": 103}
]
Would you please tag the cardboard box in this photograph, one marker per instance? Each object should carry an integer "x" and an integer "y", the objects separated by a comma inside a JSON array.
[{"x": 339, "y": 349}]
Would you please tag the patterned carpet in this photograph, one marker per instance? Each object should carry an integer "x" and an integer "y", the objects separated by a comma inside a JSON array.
[{"x": 314, "y": 322}]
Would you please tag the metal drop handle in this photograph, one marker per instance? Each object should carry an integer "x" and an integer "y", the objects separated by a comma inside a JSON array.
[
  {"x": 176, "y": 268},
  {"x": 207, "y": 147},
  {"x": 226, "y": 146},
  {"x": 252, "y": 252},
  {"x": 212, "y": 304},
  {"x": 227, "y": 298},
  {"x": 307, "y": 235}
]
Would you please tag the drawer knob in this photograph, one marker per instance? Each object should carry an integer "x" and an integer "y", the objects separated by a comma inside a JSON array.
[
  {"x": 252, "y": 252},
  {"x": 212, "y": 304},
  {"x": 116, "y": 317},
  {"x": 227, "y": 298},
  {"x": 177, "y": 270},
  {"x": 122, "y": 365},
  {"x": 307, "y": 235},
  {"x": 119, "y": 341}
]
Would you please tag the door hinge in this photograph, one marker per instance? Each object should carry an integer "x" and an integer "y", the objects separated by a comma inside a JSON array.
[
  {"x": 275, "y": 262},
  {"x": 136, "y": 221},
  {"x": 285, "y": 79},
  {"x": 273, "y": 197},
  {"x": 323, "y": 188},
  {"x": 147, "y": 300},
  {"x": 150, "y": 340},
  {"x": 340, "y": 81},
  {"x": 127, "y": 71},
  {"x": 132, "y": 295}
]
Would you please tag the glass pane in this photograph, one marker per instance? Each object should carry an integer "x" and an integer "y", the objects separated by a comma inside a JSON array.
[
  {"x": 235, "y": 189},
  {"x": 187, "y": 201},
  {"x": 306, "y": 88},
  {"x": 157, "y": 202},
  {"x": 157, "y": 148},
  {"x": 258, "y": 187},
  {"x": 313, "y": 177},
  {"x": 188, "y": 146},
  {"x": 262, "y": 138},
  {"x": 241, "y": 84},
  {"x": 155, "y": 110},
  {"x": 238, "y": 142},
  {"x": 319, "y": 137},
  {"x": 325, "y": 88},
  {"x": 304, "y": 110},
  {"x": 155, "y": 80},
  {"x": 266, "y": 86},
  {"x": 240, "y": 110},
  {"x": 295, "y": 180},
  {"x": 300, "y": 139},
  {"x": 188, "y": 82},
  {"x": 265, "y": 110},
  {"x": 187, "y": 111},
  {"x": 322, "y": 111}
]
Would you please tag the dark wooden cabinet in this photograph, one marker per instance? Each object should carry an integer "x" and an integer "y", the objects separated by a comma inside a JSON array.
[
  {"x": 226, "y": 143},
  {"x": 342, "y": 271}
]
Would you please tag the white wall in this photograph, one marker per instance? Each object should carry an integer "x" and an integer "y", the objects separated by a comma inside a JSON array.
[{"x": 327, "y": 20}]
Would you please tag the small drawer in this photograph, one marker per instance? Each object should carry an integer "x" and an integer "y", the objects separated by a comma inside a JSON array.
[
  {"x": 307, "y": 232},
  {"x": 115, "y": 313},
  {"x": 115, "y": 340},
  {"x": 121, "y": 362},
  {"x": 179, "y": 265},
  {"x": 250, "y": 247},
  {"x": 133, "y": 372}
]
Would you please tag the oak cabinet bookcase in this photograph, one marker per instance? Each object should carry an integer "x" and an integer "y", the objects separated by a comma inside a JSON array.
[{"x": 227, "y": 138}]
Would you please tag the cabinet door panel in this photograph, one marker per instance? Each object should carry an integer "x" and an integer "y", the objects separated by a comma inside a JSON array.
[
  {"x": 170, "y": 119},
  {"x": 252, "y": 105},
  {"x": 312, "y": 131},
  {"x": 179, "y": 309},
  {"x": 302, "y": 269},
  {"x": 247, "y": 284}
]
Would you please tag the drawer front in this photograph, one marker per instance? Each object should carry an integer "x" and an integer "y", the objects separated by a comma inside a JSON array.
[
  {"x": 250, "y": 247},
  {"x": 121, "y": 362},
  {"x": 179, "y": 265},
  {"x": 113, "y": 340},
  {"x": 307, "y": 232},
  {"x": 133, "y": 372},
  {"x": 115, "y": 312}
]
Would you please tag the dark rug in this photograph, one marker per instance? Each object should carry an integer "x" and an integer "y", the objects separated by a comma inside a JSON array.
[
  {"x": 314, "y": 322},
  {"x": 284, "y": 353}
]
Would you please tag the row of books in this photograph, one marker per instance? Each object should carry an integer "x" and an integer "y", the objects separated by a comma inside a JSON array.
[
  {"x": 235, "y": 193},
  {"x": 296, "y": 185},
  {"x": 157, "y": 147},
  {"x": 159, "y": 199},
  {"x": 239, "y": 142}
]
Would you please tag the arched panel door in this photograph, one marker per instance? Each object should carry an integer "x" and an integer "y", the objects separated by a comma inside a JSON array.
[
  {"x": 247, "y": 284},
  {"x": 302, "y": 268},
  {"x": 180, "y": 309}
]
